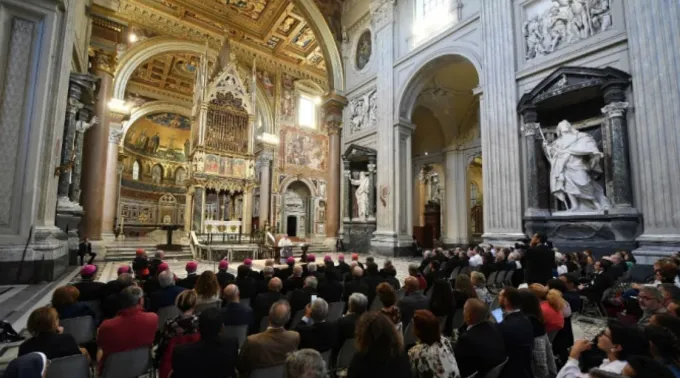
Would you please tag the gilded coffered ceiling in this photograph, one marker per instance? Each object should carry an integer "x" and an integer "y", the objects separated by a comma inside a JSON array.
[{"x": 168, "y": 73}]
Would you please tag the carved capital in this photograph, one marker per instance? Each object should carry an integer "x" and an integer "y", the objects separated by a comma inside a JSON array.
[
  {"x": 615, "y": 109},
  {"x": 529, "y": 128},
  {"x": 266, "y": 156},
  {"x": 104, "y": 61},
  {"x": 333, "y": 126},
  {"x": 382, "y": 13},
  {"x": 115, "y": 135}
]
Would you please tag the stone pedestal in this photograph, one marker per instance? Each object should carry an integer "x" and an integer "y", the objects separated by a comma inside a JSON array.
[
  {"x": 96, "y": 150},
  {"x": 357, "y": 236}
]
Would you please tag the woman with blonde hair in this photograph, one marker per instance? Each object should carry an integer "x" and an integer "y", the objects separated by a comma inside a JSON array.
[
  {"x": 553, "y": 307},
  {"x": 207, "y": 288}
]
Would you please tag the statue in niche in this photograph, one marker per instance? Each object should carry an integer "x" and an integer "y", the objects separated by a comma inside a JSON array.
[
  {"x": 573, "y": 156},
  {"x": 361, "y": 194}
]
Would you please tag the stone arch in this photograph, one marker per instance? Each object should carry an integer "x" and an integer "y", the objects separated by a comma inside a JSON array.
[
  {"x": 266, "y": 109},
  {"x": 145, "y": 50},
  {"x": 429, "y": 63},
  {"x": 291, "y": 179},
  {"x": 154, "y": 107}
]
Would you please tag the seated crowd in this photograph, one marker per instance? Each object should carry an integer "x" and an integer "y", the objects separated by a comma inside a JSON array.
[{"x": 458, "y": 314}]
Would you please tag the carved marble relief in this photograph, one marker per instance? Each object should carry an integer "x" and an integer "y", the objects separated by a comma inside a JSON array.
[
  {"x": 563, "y": 23},
  {"x": 363, "y": 111}
]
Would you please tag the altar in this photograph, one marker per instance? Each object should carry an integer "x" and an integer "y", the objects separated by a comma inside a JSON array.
[{"x": 221, "y": 226}]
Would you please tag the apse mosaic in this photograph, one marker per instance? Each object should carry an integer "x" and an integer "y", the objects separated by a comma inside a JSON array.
[
  {"x": 161, "y": 136},
  {"x": 304, "y": 150}
]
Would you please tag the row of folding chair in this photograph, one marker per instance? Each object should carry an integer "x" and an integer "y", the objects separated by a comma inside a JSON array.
[{"x": 128, "y": 364}]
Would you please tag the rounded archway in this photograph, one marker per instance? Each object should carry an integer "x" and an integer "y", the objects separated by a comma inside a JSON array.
[{"x": 441, "y": 102}]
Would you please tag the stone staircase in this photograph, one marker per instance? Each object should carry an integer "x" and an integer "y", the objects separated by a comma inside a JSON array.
[{"x": 126, "y": 252}]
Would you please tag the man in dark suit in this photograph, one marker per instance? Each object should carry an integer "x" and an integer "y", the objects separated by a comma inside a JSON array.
[
  {"x": 223, "y": 276},
  {"x": 372, "y": 279},
  {"x": 481, "y": 346},
  {"x": 539, "y": 261},
  {"x": 358, "y": 304},
  {"x": 262, "y": 283},
  {"x": 264, "y": 301},
  {"x": 618, "y": 268},
  {"x": 315, "y": 332},
  {"x": 233, "y": 312},
  {"x": 286, "y": 272},
  {"x": 213, "y": 356},
  {"x": 153, "y": 284},
  {"x": 190, "y": 281},
  {"x": 85, "y": 248},
  {"x": 167, "y": 294},
  {"x": 294, "y": 282},
  {"x": 355, "y": 285},
  {"x": 300, "y": 298},
  {"x": 247, "y": 285},
  {"x": 517, "y": 334},
  {"x": 113, "y": 302},
  {"x": 412, "y": 301},
  {"x": 331, "y": 289},
  {"x": 155, "y": 263},
  {"x": 342, "y": 265},
  {"x": 600, "y": 282},
  {"x": 90, "y": 290}
]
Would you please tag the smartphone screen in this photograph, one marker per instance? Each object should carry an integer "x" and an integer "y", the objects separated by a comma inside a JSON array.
[
  {"x": 498, "y": 315},
  {"x": 313, "y": 299}
]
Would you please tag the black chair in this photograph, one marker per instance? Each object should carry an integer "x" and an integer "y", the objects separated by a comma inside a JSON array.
[
  {"x": 271, "y": 372},
  {"x": 297, "y": 318},
  {"x": 166, "y": 313},
  {"x": 239, "y": 332},
  {"x": 264, "y": 323},
  {"x": 496, "y": 372},
  {"x": 75, "y": 366},
  {"x": 346, "y": 354},
  {"x": 458, "y": 319},
  {"x": 128, "y": 364},
  {"x": 81, "y": 328},
  {"x": 245, "y": 301},
  {"x": 205, "y": 306},
  {"x": 335, "y": 310}
]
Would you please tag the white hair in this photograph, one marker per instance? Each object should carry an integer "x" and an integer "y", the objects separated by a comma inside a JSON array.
[
  {"x": 311, "y": 267},
  {"x": 559, "y": 258}
]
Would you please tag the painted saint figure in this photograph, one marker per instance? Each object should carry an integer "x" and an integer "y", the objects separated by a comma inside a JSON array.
[
  {"x": 361, "y": 194},
  {"x": 573, "y": 156}
]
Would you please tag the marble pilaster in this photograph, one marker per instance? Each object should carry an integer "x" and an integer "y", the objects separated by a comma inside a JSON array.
[
  {"x": 457, "y": 209},
  {"x": 332, "y": 107},
  {"x": 529, "y": 130},
  {"x": 265, "y": 186},
  {"x": 96, "y": 150},
  {"x": 81, "y": 127},
  {"x": 499, "y": 125},
  {"x": 247, "y": 208},
  {"x": 68, "y": 145},
  {"x": 652, "y": 31},
  {"x": 382, "y": 19}
]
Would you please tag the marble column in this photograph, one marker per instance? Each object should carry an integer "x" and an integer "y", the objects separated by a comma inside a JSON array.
[
  {"x": 371, "y": 189},
  {"x": 96, "y": 149},
  {"x": 403, "y": 193},
  {"x": 112, "y": 181},
  {"x": 652, "y": 31},
  {"x": 83, "y": 124},
  {"x": 247, "y": 211},
  {"x": 332, "y": 108},
  {"x": 501, "y": 172},
  {"x": 197, "y": 212},
  {"x": 456, "y": 231},
  {"x": 347, "y": 208},
  {"x": 529, "y": 129},
  {"x": 382, "y": 20},
  {"x": 265, "y": 186},
  {"x": 68, "y": 146},
  {"x": 619, "y": 189}
]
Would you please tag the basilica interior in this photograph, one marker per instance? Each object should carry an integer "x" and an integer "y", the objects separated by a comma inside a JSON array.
[{"x": 212, "y": 129}]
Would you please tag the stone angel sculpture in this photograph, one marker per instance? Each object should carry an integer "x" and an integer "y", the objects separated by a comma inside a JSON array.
[{"x": 82, "y": 126}]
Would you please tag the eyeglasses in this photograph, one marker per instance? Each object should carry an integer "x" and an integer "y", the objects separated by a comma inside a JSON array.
[{"x": 645, "y": 297}]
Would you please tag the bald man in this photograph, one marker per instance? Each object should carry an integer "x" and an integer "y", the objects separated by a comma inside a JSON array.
[
  {"x": 264, "y": 301},
  {"x": 481, "y": 346},
  {"x": 233, "y": 312},
  {"x": 412, "y": 301},
  {"x": 356, "y": 284}
]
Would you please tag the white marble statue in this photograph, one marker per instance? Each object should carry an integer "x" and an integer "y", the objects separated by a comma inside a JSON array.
[
  {"x": 573, "y": 156},
  {"x": 361, "y": 194},
  {"x": 358, "y": 114}
]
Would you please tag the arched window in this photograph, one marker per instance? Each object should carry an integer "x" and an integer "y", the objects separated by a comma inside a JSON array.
[
  {"x": 135, "y": 170},
  {"x": 474, "y": 194},
  {"x": 307, "y": 111}
]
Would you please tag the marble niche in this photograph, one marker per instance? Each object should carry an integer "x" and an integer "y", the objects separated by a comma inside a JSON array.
[
  {"x": 578, "y": 182},
  {"x": 359, "y": 197}
]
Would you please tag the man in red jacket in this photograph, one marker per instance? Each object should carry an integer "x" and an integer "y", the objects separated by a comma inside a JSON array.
[{"x": 130, "y": 329}]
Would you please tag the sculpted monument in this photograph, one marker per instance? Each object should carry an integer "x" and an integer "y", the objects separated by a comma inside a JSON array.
[
  {"x": 573, "y": 157},
  {"x": 361, "y": 194}
]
